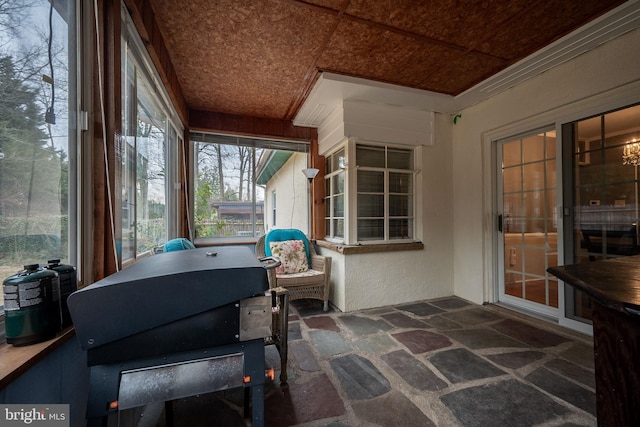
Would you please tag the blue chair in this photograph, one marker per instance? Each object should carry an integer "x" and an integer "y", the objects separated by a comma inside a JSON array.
[{"x": 178, "y": 244}]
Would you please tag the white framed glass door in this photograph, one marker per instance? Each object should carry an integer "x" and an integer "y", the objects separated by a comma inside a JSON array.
[{"x": 527, "y": 222}]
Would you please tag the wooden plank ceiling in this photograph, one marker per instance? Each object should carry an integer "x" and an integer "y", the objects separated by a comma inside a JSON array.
[{"x": 260, "y": 58}]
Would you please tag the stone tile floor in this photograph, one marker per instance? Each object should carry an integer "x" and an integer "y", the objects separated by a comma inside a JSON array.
[{"x": 443, "y": 362}]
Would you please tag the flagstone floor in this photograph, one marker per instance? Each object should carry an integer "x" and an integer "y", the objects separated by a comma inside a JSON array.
[{"x": 443, "y": 362}]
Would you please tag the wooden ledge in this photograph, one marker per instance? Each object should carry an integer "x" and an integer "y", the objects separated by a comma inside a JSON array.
[
  {"x": 224, "y": 241},
  {"x": 15, "y": 361},
  {"x": 369, "y": 249}
]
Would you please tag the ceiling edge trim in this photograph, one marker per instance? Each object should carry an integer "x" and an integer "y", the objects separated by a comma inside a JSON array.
[{"x": 609, "y": 26}]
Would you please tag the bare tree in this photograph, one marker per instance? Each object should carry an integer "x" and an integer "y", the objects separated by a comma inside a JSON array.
[
  {"x": 218, "y": 151},
  {"x": 244, "y": 165},
  {"x": 12, "y": 14}
]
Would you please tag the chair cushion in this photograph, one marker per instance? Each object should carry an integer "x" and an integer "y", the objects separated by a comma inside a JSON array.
[
  {"x": 282, "y": 234},
  {"x": 292, "y": 256},
  {"x": 308, "y": 277},
  {"x": 178, "y": 244}
]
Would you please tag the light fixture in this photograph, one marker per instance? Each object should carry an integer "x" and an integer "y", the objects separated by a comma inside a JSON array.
[
  {"x": 310, "y": 173},
  {"x": 631, "y": 153},
  {"x": 631, "y": 156}
]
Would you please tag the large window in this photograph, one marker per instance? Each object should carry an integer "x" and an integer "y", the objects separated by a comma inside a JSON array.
[
  {"x": 37, "y": 133},
  {"x": 232, "y": 173},
  {"x": 147, "y": 152},
  {"x": 385, "y": 193},
  {"x": 381, "y": 206},
  {"x": 227, "y": 203}
]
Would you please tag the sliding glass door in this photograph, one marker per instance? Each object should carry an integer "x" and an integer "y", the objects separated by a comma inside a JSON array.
[
  {"x": 603, "y": 152},
  {"x": 527, "y": 222}
]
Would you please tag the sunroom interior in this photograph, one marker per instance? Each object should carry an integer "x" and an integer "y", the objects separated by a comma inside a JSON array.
[{"x": 461, "y": 150}]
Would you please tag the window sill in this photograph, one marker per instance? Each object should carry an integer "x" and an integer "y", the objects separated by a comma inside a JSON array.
[
  {"x": 224, "y": 241},
  {"x": 15, "y": 361},
  {"x": 368, "y": 249}
]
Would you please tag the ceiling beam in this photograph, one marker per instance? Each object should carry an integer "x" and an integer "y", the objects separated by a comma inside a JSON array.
[{"x": 208, "y": 121}]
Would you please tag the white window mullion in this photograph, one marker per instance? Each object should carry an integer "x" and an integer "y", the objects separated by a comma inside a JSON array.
[{"x": 387, "y": 234}]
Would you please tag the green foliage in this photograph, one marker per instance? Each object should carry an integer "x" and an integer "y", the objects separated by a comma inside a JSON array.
[
  {"x": 33, "y": 177},
  {"x": 206, "y": 228},
  {"x": 206, "y": 220},
  {"x": 156, "y": 210},
  {"x": 47, "y": 240},
  {"x": 202, "y": 198},
  {"x": 149, "y": 234}
]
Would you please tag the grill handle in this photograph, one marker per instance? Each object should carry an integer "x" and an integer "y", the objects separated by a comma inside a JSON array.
[{"x": 269, "y": 262}]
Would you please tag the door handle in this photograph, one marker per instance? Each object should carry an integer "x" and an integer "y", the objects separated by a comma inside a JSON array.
[{"x": 500, "y": 223}]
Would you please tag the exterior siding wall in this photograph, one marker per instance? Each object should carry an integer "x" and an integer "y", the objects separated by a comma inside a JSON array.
[{"x": 292, "y": 195}]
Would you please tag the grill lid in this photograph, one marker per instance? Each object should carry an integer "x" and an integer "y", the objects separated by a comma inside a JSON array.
[{"x": 162, "y": 289}]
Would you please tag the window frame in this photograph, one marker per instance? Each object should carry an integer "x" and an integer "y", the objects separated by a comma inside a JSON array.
[
  {"x": 336, "y": 166},
  {"x": 351, "y": 193},
  {"x": 133, "y": 50},
  {"x": 251, "y": 192},
  {"x": 68, "y": 122},
  {"x": 266, "y": 145}
]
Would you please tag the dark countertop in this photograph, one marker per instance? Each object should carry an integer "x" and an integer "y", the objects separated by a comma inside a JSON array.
[{"x": 614, "y": 283}]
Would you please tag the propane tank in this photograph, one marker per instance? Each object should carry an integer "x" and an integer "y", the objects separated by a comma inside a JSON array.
[
  {"x": 68, "y": 285},
  {"x": 31, "y": 305}
]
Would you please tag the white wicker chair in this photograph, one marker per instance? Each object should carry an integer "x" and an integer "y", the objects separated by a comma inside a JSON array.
[{"x": 312, "y": 284}]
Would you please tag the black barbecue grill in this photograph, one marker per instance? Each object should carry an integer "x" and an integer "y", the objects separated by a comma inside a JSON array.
[{"x": 175, "y": 325}]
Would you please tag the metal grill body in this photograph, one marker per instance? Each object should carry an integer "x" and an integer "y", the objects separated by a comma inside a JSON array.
[{"x": 175, "y": 325}]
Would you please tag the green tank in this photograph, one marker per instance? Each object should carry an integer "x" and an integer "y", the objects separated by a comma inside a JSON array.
[
  {"x": 31, "y": 305},
  {"x": 68, "y": 284}
]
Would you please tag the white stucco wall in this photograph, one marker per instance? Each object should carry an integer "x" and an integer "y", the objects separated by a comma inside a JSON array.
[
  {"x": 607, "y": 77},
  {"x": 361, "y": 281},
  {"x": 292, "y": 202}
]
